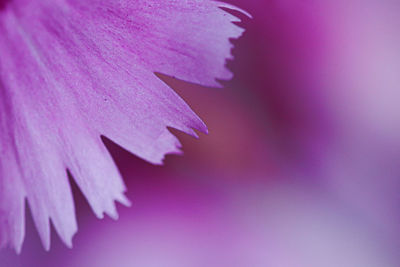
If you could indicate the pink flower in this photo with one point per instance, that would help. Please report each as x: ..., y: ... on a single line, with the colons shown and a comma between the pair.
x: 72, y: 71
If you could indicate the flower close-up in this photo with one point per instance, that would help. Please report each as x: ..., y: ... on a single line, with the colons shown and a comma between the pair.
x: 293, y: 106
x: 73, y: 73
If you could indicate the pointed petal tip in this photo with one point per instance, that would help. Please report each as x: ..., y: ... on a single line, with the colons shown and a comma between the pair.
x: 229, y: 6
x: 199, y: 126
x: 15, y: 244
x: 124, y: 200
x: 114, y: 216
x: 18, y: 250
x: 177, y: 151
x: 192, y: 133
x: 68, y: 240
x: 44, y: 234
x: 17, y: 247
x: 46, y: 245
x: 46, y: 241
x: 99, y: 215
x: 68, y: 243
x: 112, y: 213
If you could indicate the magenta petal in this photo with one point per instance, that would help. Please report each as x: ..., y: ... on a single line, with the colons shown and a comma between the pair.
x: 71, y: 71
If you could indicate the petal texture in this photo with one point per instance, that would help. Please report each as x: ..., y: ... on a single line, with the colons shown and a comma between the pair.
x: 72, y: 71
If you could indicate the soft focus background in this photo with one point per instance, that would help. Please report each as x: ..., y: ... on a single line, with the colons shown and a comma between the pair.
x: 301, y: 166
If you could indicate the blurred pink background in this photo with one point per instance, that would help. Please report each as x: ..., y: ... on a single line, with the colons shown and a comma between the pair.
x: 300, y: 168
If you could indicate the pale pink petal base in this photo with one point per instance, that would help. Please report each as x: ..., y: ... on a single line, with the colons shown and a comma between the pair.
x: 71, y: 71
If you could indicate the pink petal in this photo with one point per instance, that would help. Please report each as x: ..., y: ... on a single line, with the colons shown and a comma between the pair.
x: 71, y: 71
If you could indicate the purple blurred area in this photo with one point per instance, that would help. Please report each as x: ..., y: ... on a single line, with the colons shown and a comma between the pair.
x: 301, y: 165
